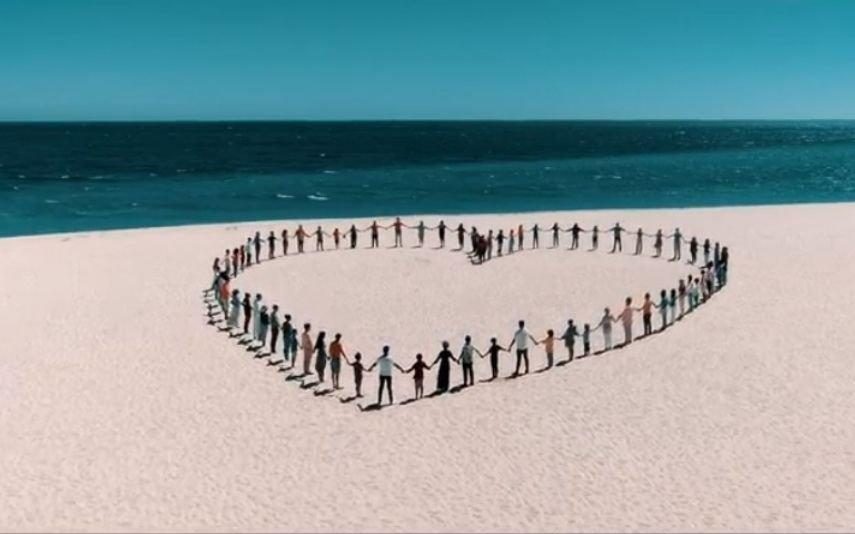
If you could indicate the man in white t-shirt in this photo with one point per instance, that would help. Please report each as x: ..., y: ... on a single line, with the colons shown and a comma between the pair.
x: 386, y: 364
x: 521, y: 339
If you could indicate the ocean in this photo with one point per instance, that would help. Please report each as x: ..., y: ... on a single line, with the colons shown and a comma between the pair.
x: 61, y: 177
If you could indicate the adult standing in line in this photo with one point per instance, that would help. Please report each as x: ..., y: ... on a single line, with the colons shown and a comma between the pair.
x: 301, y: 238
x: 500, y: 240
x: 555, y: 231
x: 595, y: 237
x: 247, y: 311
x: 494, y: 351
x: 617, y: 246
x: 375, y: 234
x: 225, y: 293
x: 639, y: 241
x: 706, y: 251
x: 535, y: 236
x: 490, y: 245
x: 308, y: 348
x: 336, y: 354
x: 321, y: 359
x: 574, y: 235
x: 626, y: 317
x: 569, y: 337
x: 242, y: 257
x: 336, y: 235
x: 657, y: 243
x: 723, y: 266
x: 288, y: 332
x: 606, y: 324
x: 357, y: 372
x: 461, y: 233
x: 263, y: 324
x: 227, y: 262
x: 285, y: 242
x: 271, y: 245
x: 521, y: 339
x: 385, y: 364
x: 319, y: 239
x: 398, y: 226
x: 678, y: 244
x: 235, y: 258
x: 693, y: 250
x: 520, y: 231
x: 275, y: 325
x: 421, y: 233
x: 235, y: 313
x: 466, y: 362
x: 352, y: 233
x: 441, y: 227
x: 511, y: 241
x: 256, y: 316
x: 647, y: 314
x: 256, y: 242
x: 443, y: 375
x: 549, y: 345
x: 249, y: 252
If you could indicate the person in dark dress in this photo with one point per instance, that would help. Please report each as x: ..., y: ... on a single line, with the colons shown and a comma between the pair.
x: 321, y: 359
x: 352, y: 232
x: 443, y: 375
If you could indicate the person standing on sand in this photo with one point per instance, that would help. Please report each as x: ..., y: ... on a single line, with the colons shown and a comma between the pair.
x: 247, y: 312
x: 489, y: 245
x: 301, y: 238
x: 336, y: 235
x: 535, y: 236
x: 706, y: 251
x: 639, y: 241
x: 500, y: 240
x: 663, y: 309
x: 256, y: 242
x: 681, y: 295
x: 235, y: 258
x: 225, y: 293
x: 606, y: 324
x: 275, y: 325
x: 235, y: 313
x: 321, y: 359
x: 520, y: 233
x: 285, y: 242
x: 647, y: 314
x: 555, y: 230
x: 249, y: 252
x: 672, y: 305
x: 398, y: 226
x: 308, y: 348
x: 227, y: 262
x: 421, y: 233
x: 657, y: 244
x: 693, y: 250
x: 494, y: 351
x: 263, y: 324
x: 725, y: 258
x: 319, y: 239
x: 617, y: 246
x: 467, y: 361
x: 357, y: 372
x: 626, y: 317
x: 574, y: 234
x: 678, y: 244
x: 385, y: 364
x: 352, y: 233
x: 256, y: 316
x: 443, y: 375
x: 375, y: 234
x: 521, y: 339
x: 242, y: 257
x: 549, y: 345
x: 586, y: 339
x: 288, y: 331
x: 595, y: 238
x: 461, y: 233
x: 418, y: 370
x: 511, y: 241
x: 569, y: 337
x: 336, y: 354
x: 441, y: 230
x: 271, y: 245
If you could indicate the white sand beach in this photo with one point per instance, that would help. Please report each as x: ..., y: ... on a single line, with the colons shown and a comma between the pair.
x: 122, y: 409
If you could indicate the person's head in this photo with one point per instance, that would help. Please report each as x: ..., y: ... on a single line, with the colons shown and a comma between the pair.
x: 319, y: 228
x: 647, y: 296
x: 606, y: 311
x: 673, y: 292
x: 521, y: 324
x: 628, y: 301
x: 258, y: 296
x: 285, y: 231
x: 550, y: 333
x: 662, y: 293
x: 287, y: 316
x: 338, y: 337
x: 307, y: 327
x: 493, y: 341
x: 321, y: 336
x: 445, y: 344
x: 569, y: 322
x: 385, y: 350
x: 235, y: 293
x: 419, y: 357
x: 275, y: 307
x: 264, y: 309
x: 397, y: 219
x: 467, y: 339
x: 587, y: 327
x: 357, y: 356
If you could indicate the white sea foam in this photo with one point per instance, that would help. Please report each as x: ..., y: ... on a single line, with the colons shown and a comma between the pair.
x: 282, y: 195
x: 317, y: 197
x: 330, y: 172
x: 51, y: 201
x: 64, y: 177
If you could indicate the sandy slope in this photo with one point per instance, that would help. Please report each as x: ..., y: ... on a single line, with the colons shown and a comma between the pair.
x: 120, y: 408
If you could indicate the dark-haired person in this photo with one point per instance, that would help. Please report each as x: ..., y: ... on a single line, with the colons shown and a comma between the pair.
x: 301, y: 238
x: 247, y: 312
x: 375, y: 234
x: 657, y: 243
x: 421, y: 233
x: 319, y: 239
x: 493, y: 350
x: 461, y: 233
x: 256, y: 242
x: 234, y: 316
x: 595, y: 237
x: 357, y: 372
x: 336, y: 354
x: 275, y: 325
x: 289, y: 339
x: 441, y: 227
x: 574, y: 236
x: 555, y: 231
x: 308, y: 348
x: 271, y: 245
x: 235, y: 262
x: 386, y: 365
x: 336, y: 235
x: 398, y: 226
x: 500, y: 240
x: 626, y: 317
x: 535, y: 236
x: 249, y: 252
x: 285, y: 242
x: 678, y: 244
x: 353, y: 233
x: 418, y: 370
x: 639, y: 241
x: 569, y: 338
x: 521, y: 339
x: 617, y: 230
x: 693, y: 250
x: 520, y: 233
x: 443, y: 375
x: 321, y: 360
x: 647, y: 314
x: 467, y: 360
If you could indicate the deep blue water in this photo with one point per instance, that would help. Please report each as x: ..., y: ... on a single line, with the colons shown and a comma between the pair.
x: 57, y: 177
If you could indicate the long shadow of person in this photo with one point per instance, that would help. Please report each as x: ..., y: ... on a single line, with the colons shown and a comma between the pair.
x: 370, y: 408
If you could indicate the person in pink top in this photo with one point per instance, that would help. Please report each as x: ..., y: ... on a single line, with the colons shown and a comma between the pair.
x: 626, y: 317
x: 549, y: 345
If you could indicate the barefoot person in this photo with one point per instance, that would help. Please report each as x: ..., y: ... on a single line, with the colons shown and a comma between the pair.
x: 418, y: 370
x: 569, y: 337
x: 678, y: 244
x: 263, y: 325
x: 639, y: 242
x: 256, y: 316
x: 494, y: 351
x: 275, y: 325
x: 461, y: 234
x: 301, y: 238
x: 555, y: 231
x: 647, y: 314
x: 336, y: 354
x: 308, y: 348
x: 616, y: 243
x: 626, y: 317
x: 398, y: 226
x: 385, y: 364
x: 443, y: 375
x: 289, y: 339
x: 352, y: 232
x: 235, y: 313
x: 321, y: 359
x: 521, y: 339
x: 420, y: 229
x: 357, y: 372
x: 467, y: 361
x: 285, y: 242
x: 271, y: 245
x: 606, y: 324
x: 247, y: 312
x: 441, y: 231
x: 549, y: 345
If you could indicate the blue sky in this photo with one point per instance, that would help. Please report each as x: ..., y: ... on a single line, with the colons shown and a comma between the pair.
x: 349, y: 59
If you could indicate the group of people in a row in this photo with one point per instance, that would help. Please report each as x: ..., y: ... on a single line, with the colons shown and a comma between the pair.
x: 482, y: 245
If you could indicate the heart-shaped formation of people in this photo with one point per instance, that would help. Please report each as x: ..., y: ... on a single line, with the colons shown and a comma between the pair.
x: 260, y: 329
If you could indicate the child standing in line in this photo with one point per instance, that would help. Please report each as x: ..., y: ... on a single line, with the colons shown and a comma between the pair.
x: 418, y: 370
x: 357, y: 372
x: 549, y: 345
x: 586, y: 339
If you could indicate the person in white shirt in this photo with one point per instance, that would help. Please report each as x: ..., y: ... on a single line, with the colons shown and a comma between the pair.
x: 521, y: 339
x: 256, y: 316
x: 385, y: 363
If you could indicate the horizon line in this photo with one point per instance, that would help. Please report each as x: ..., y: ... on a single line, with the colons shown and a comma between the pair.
x: 402, y: 120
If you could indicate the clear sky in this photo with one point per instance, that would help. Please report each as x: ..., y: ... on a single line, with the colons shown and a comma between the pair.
x: 399, y: 59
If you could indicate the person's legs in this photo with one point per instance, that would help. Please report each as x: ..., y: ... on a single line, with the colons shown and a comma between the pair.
x: 380, y: 391
x: 358, y: 384
x: 627, y: 333
x: 274, y: 336
x: 549, y: 360
x: 494, y: 366
x: 525, y: 355
x: 519, y: 361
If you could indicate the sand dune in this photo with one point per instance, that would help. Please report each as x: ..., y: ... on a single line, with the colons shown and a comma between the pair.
x: 123, y: 410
